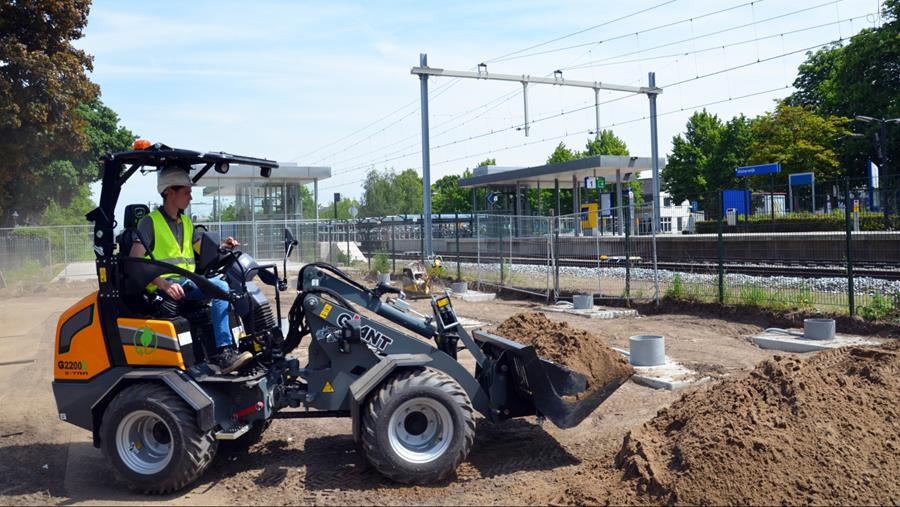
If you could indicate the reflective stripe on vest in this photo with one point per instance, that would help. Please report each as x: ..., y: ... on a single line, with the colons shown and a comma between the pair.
x: 166, y: 248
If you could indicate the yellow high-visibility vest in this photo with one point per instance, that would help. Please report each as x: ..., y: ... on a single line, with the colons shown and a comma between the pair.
x: 166, y: 248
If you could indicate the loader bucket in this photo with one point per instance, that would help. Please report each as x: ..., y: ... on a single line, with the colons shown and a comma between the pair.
x: 520, y: 383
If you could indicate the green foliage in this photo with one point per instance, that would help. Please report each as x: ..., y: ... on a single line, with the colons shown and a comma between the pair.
x: 381, y: 263
x: 326, y: 211
x: 43, y: 80
x: 753, y: 295
x: 800, y: 140
x: 606, y: 144
x: 802, y: 222
x: 859, y: 78
x: 676, y: 290
x: 72, y: 214
x: 685, y: 175
x: 390, y: 193
x: 562, y: 154
x: 878, y: 308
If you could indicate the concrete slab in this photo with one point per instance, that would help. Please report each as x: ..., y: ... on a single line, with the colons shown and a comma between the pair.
x: 787, y: 343
x: 473, y: 296
x: 671, y: 375
x: 597, y: 312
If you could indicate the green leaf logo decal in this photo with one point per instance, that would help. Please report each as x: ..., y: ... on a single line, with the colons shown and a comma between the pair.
x: 145, y: 341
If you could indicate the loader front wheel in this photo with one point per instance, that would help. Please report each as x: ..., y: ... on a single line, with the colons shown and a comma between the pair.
x: 418, y: 427
x: 151, y: 438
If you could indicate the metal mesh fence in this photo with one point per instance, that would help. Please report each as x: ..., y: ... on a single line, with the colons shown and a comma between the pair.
x: 848, y: 261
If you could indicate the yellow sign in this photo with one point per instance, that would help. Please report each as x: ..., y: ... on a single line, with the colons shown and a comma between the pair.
x: 102, y: 272
x: 856, y: 205
x: 327, y: 388
x: 589, y: 215
x: 325, y: 311
x: 443, y: 302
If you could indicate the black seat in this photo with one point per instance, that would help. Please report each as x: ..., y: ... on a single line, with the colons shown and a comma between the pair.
x: 133, y: 214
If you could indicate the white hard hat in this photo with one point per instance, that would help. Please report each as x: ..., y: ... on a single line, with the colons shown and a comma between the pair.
x: 172, y: 177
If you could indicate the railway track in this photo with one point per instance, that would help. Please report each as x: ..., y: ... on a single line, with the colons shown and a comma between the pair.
x: 748, y: 267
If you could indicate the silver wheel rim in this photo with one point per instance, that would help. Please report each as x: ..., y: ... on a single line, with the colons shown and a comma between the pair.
x: 420, y: 430
x: 144, y: 442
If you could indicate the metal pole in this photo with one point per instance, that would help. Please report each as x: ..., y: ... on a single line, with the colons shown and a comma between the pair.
x: 654, y: 151
x: 720, y: 248
x: 458, y: 262
x: 628, y: 256
x: 525, y: 97
x: 597, y: 113
x: 851, y: 301
x: 426, y: 159
x: 558, y: 202
x: 620, y: 217
x: 347, y: 234
x: 555, y: 218
x: 576, y: 210
x: 66, y: 251
x: 393, y: 250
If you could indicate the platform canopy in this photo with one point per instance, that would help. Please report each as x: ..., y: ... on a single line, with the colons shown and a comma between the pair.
x: 238, y: 175
x: 544, y: 175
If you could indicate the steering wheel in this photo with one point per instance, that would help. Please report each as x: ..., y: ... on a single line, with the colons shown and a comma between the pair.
x: 223, y: 260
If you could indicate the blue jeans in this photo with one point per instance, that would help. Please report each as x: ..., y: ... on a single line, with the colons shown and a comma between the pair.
x: 219, y: 312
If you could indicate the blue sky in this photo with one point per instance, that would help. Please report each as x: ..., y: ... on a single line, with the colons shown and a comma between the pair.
x: 328, y: 83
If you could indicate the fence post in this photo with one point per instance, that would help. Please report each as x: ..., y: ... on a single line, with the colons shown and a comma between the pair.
x: 50, y: 248
x: 851, y: 296
x: 66, y: 251
x: 331, y: 243
x: 628, y: 255
x: 500, y: 247
x: 477, y: 235
x: 458, y: 263
x: 393, y: 249
x: 347, y: 237
x: 720, y: 247
x: 554, y: 222
x: 368, y: 250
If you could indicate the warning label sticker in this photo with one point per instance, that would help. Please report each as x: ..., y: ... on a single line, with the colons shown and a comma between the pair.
x: 325, y: 311
x: 327, y: 387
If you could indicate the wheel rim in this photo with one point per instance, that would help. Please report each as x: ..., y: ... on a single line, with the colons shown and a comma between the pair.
x: 420, y: 430
x: 144, y: 442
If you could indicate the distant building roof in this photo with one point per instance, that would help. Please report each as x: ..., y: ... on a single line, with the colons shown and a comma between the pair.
x: 601, y: 165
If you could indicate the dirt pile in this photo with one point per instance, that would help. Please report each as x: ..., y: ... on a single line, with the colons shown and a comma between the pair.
x: 818, y: 431
x: 559, y: 342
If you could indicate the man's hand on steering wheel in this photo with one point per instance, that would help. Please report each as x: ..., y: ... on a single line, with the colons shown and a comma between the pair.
x: 172, y: 289
x: 230, y: 242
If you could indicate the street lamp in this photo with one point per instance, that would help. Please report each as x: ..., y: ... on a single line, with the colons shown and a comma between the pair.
x: 888, y: 193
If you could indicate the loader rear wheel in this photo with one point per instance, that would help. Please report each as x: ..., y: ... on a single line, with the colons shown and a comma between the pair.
x: 418, y: 427
x: 151, y: 438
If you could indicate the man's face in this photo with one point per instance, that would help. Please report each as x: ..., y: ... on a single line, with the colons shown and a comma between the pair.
x: 180, y: 196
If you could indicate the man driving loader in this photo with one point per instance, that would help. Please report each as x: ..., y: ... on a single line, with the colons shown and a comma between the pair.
x: 169, y: 234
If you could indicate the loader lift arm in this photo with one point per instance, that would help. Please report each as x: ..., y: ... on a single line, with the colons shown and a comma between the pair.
x: 510, y: 379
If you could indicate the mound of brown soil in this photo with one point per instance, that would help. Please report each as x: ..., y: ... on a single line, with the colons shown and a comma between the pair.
x: 819, y: 431
x: 559, y: 342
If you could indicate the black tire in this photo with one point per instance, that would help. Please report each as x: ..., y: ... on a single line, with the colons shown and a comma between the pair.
x: 187, y: 451
x: 419, y: 394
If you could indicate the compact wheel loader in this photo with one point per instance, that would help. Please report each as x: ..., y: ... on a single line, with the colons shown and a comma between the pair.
x: 132, y: 369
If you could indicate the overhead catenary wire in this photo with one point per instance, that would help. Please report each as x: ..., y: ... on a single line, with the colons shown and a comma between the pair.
x: 510, y: 96
x: 402, y: 155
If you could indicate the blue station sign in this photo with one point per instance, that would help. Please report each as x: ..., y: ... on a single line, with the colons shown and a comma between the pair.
x: 754, y: 170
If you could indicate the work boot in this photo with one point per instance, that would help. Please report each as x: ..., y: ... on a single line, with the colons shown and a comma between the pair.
x: 229, y: 359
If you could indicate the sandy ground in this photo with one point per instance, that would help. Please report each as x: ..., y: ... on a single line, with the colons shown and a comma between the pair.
x: 43, y: 460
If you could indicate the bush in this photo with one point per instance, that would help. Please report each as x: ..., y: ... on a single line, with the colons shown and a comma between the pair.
x: 676, y: 290
x: 800, y: 222
x: 879, y: 308
x: 381, y: 263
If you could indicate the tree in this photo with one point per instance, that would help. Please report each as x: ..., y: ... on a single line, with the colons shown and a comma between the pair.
x: 860, y: 78
x: 307, y: 203
x: 561, y: 154
x: 43, y: 80
x: 407, y: 189
x: 800, y: 140
x: 685, y: 175
x: 326, y: 211
x: 606, y: 144
x: 732, y: 151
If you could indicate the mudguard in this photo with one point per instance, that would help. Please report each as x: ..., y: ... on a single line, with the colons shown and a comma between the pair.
x: 373, y: 378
